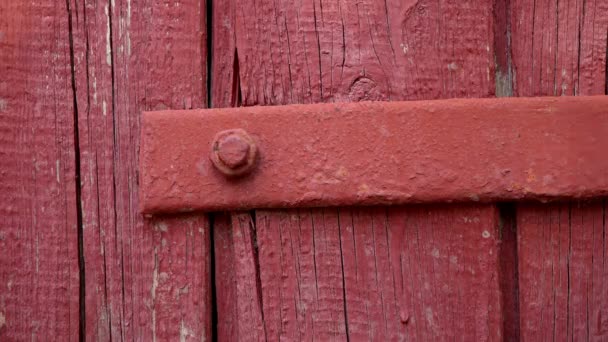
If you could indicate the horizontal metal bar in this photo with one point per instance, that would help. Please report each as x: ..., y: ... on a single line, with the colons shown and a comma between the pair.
x: 372, y: 153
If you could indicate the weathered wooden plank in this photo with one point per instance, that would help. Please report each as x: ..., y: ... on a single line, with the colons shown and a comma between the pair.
x: 560, y: 48
x: 562, y: 271
x: 397, y: 268
x: 410, y: 272
x: 329, y: 51
x: 301, y: 274
x: 145, y: 279
x: 237, y: 279
x: 283, y: 52
x: 39, y: 277
x: 238, y: 301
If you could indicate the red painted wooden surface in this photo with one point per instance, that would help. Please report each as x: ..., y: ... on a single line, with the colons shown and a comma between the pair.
x: 77, y: 74
x: 239, y: 305
x: 406, y: 273
x: 144, y: 279
x: 75, y: 77
x: 318, y: 276
x: 39, y: 277
x: 561, y: 48
x: 563, y: 277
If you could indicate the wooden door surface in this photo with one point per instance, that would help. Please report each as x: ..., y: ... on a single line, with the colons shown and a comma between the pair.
x: 79, y: 262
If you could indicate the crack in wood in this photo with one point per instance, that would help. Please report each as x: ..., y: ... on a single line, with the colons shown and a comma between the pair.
x: 77, y: 183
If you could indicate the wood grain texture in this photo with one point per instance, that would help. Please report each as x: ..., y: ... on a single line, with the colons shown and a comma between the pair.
x: 561, y: 48
x: 301, y: 275
x: 380, y: 274
x: 563, y: 292
x: 421, y: 273
x: 238, y: 303
x: 311, y: 285
x: 145, y: 279
x: 39, y: 278
x: 318, y: 51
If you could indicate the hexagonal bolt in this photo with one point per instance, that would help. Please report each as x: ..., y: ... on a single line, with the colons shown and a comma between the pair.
x: 233, y: 152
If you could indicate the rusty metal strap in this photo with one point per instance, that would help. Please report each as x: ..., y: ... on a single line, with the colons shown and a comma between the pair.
x: 374, y: 153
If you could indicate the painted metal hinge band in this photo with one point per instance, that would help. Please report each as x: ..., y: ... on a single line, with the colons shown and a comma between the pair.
x: 371, y: 153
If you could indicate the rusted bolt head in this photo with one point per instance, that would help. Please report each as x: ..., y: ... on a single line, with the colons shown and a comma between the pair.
x: 233, y: 152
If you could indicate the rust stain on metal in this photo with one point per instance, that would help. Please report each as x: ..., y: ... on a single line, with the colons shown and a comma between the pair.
x: 372, y: 153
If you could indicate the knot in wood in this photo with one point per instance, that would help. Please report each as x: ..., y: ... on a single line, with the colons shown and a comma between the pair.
x: 365, y: 89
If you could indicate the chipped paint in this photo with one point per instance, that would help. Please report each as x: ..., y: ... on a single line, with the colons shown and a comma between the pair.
x: 94, y: 90
x: 128, y: 35
x: 108, y: 38
x: 184, y: 332
x: 161, y: 226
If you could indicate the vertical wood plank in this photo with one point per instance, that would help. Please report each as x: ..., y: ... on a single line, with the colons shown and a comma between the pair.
x: 39, y: 277
x: 447, y: 258
x: 561, y: 48
x: 239, y: 305
x: 146, y: 279
x: 562, y: 271
x: 312, y: 286
x: 301, y: 274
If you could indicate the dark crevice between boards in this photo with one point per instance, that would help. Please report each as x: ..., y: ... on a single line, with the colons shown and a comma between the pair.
x: 114, y: 190
x: 507, y: 224
x: 207, y: 8
x: 509, y: 270
x: 343, y: 277
x: 77, y: 175
x: 252, y: 225
x: 568, y: 269
x: 314, y: 15
x: 604, y: 204
x: 214, y: 315
x: 577, y: 85
x: 237, y: 96
x: 502, y: 49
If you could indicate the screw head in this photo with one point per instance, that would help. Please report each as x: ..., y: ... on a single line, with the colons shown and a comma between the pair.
x: 233, y: 152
